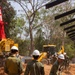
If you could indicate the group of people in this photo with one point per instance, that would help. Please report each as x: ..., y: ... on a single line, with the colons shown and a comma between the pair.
x: 13, y: 64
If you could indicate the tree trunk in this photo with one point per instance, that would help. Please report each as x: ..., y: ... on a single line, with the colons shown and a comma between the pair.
x: 31, y: 39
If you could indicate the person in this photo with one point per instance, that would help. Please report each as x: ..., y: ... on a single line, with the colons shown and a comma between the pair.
x: 18, y: 55
x: 56, y: 68
x: 48, y: 57
x: 66, y: 61
x: 34, y: 67
x: 13, y: 65
x: 54, y: 58
x: 48, y: 54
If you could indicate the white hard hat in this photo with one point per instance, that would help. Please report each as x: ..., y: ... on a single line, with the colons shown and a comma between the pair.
x: 14, y: 48
x: 61, y: 56
x: 36, y: 52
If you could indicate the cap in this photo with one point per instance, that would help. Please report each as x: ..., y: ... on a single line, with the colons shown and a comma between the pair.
x: 36, y: 52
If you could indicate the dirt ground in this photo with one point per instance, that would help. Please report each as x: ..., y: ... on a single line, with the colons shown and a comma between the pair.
x: 70, y: 71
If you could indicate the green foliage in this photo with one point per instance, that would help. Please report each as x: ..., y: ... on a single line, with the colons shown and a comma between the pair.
x: 39, y: 40
x: 8, y: 15
x: 18, y: 27
x: 70, y: 48
x: 23, y: 46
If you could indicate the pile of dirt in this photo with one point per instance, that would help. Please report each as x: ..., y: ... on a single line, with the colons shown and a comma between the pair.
x: 70, y: 71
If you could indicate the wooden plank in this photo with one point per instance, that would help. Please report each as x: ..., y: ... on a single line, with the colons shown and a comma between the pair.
x: 56, y: 2
x: 69, y: 27
x: 64, y: 14
x: 71, y: 34
x: 73, y: 30
x: 67, y: 22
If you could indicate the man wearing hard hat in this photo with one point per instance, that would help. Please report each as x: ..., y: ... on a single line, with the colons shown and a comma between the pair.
x: 34, y: 67
x: 13, y: 65
x: 56, y: 68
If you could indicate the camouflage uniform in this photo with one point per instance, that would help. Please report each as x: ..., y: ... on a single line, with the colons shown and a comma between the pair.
x: 34, y: 68
x: 66, y: 62
x: 54, y: 58
x: 56, y: 69
x: 13, y: 66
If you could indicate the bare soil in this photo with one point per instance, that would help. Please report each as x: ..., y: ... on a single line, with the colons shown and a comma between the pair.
x: 70, y: 71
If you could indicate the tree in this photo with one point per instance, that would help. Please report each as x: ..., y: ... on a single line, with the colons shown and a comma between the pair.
x: 8, y: 15
x: 69, y: 47
x: 23, y: 46
x: 52, y: 31
x: 39, y: 39
x: 18, y: 28
x: 30, y: 8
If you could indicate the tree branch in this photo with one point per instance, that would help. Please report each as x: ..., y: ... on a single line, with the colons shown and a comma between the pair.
x: 23, y: 9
